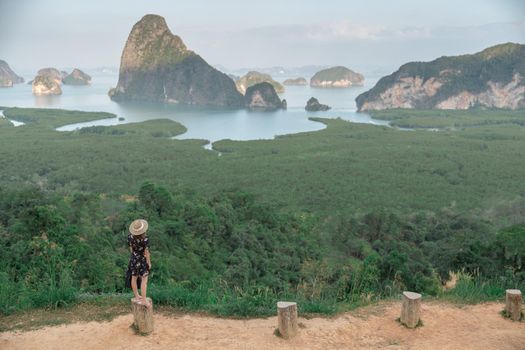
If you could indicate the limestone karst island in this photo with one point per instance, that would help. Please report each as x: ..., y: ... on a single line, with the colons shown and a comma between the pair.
x: 156, y: 66
x: 276, y: 175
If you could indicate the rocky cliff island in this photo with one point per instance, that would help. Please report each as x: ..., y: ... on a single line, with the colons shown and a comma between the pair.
x: 263, y: 96
x: 295, y: 82
x: 492, y: 78
x: 156, y: 66
x: 252, y: 78
x: 336, y: 77
x: 77, y: 77
x: 313, y: 105
x: 7, y: 77
x: 47, y: 82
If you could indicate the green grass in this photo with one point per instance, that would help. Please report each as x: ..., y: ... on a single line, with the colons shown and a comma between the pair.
x: 472, y: 289
x: 449, y: 119
x: 5, y: 123
x: 258, y: 302
x: 179, y: 299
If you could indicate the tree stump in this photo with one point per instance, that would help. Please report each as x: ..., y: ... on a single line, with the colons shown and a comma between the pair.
x: 513, y: 304
x: 411, y: 309
x: 142, y: 316
x: 287, y: 319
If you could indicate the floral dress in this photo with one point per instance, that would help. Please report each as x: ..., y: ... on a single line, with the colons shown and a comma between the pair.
x: 138, y: 265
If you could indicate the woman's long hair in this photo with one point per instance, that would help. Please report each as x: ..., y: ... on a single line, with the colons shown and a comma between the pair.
x: 141, y: 237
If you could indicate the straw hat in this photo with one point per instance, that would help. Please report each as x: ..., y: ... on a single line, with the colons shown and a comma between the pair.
x: 138, y: 227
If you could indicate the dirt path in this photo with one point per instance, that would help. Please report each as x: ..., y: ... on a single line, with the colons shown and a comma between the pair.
x: 479, y: 327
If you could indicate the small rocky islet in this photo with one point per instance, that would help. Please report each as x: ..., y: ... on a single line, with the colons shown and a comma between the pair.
x: 313, y: 105
x: 295, y: 82
x: 336, y: 77
x: 7, y: 77
x: 77, y: 77
x: 252, y: 78
x: 262, y: 96
x: 48, y: 81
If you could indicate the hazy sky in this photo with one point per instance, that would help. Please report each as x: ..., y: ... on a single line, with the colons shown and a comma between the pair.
x: 240, y: 33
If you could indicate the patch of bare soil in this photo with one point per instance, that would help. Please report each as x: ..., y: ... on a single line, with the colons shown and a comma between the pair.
x: 445, y: 326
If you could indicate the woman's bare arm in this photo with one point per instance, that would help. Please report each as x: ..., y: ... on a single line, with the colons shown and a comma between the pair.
x: 147, y: 255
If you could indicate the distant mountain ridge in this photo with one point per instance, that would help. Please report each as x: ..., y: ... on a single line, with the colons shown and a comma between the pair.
x: 492, y: 78
x: 276, y: 71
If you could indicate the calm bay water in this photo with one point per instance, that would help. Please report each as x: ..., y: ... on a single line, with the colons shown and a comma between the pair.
x: 206, y: 124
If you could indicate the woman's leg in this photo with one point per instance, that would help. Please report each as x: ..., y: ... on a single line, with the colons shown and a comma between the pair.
x: 134, y: 286
x: 144, y: 287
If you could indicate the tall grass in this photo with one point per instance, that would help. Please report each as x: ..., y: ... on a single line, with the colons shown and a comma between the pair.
x: 222, y: 300
x: 13, y: 296
x: 474, y: 288
x: 216, y: 298
x: 52, y: 292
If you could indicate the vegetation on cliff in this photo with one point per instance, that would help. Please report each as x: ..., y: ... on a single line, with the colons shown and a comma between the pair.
x: 336, y: 77
x: 7, y: 77
x: 313, y: 105
x: 46, y: 85
x: 296, y: 82
x: 263, y: 96
x: 77, y: 77
x: 500, y: 64
x: 252, y: 78
x: 156, y: 66
x: 48, y: 81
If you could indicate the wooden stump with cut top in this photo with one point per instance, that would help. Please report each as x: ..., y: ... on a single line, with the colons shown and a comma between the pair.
x: 513, y: 304
x: 287, y: 319
x: 142, y: 316
x: 411, y: 309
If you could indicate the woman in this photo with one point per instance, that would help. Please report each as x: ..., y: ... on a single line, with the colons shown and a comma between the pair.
x: 139, y: 261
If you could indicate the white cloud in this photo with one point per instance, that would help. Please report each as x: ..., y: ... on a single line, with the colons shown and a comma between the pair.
x: 349, y: 31
x: 346, y: 43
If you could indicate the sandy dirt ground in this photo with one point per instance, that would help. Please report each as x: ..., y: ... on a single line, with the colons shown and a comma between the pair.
x: 479, y: 327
